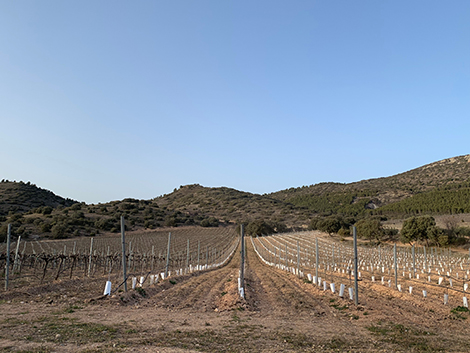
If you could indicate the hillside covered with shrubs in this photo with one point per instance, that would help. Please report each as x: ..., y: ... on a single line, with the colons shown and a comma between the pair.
x: 438, y: 188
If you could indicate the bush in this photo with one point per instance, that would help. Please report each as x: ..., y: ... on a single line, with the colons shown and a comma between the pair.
x: 370, y: 228
x: 59, y: 231
x: 314, y: 223
x: 149, y: 224
x: 76, y: 207
x: 127, y: 206
x: 462, y: 232
x: 47, y: 210
x: 330, y: 225
x: 170, y: 222
x: 106, y: 224
x: 421, y: 228
x: 45, y: 227
x: 210, y: 222
x: 259, y: 227
x: 343, y: 232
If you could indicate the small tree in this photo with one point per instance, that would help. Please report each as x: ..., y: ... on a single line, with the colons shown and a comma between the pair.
x: 59, y: 231
x: 370, y: 228
x: 259, y: 227
x: 210, y: 222
x: 421, y: 228
x: 330, y: 225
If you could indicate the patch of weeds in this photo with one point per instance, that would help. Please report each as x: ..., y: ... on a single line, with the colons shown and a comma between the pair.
x: 72, y: 308
x: 235, y: 318
x: 54, y: 330
x: 339, y: 307
x: 131, y: 331
x: 207, y: 324
x: 459, y: 309
x: 141, y: 291
x: 458, y: 313
x: 337, y: 343
x: 295, y: 340
x: 306, y: 280
x: 172, y: 282
x: 365, y: 313
x: 403, y: 336
x: 222, y: 294
x: 332, y: 300
x: 229, y: 280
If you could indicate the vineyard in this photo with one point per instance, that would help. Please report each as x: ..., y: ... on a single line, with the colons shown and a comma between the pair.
x: 151, y: 254
x: 299, y: 295
x: 434, y: 274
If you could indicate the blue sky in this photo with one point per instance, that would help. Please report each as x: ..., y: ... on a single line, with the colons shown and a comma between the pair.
x: 102, y: 100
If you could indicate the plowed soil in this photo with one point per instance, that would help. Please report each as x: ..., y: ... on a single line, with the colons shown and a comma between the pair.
x: 202, y: 312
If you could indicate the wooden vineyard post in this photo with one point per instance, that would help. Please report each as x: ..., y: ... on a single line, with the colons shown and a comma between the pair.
x: 90, y: 258
x: 380, y: 255
x: 425, y: 259
x: 187, y: 257
x: 316, y: 260
x: 123, y: 242
x: 198, y: 254
x: 153, y: 256
x: 168, y: 255
x: 15, y: 263
x: 7, y: 267
x: 298, y: 259
x: 333, y: 256
x: 356, y: 297
x: 395, y: 264
x: 287, y: 264
x: 242, y: 264
x: 414, y: 261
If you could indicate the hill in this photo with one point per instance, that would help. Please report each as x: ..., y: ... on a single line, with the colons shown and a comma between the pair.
x: 358, y: 197
x: 230, y: 205
x: 442, y: 187
x: 23, y: 197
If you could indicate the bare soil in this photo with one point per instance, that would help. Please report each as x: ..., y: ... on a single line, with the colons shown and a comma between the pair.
x: 202, y: 312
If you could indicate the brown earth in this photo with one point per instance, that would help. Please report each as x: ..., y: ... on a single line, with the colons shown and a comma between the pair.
x: 203, y: 312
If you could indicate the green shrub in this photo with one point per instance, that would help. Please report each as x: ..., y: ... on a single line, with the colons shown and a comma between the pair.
x: 343, y: 232
x: 59, y: 231
x: 45, y: 227
x: 210, y: 222
x: 370, y: 228
x: 106, y: 224
x: 47, y: 210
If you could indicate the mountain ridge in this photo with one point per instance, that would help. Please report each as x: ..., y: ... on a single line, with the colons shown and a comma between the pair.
x: 438, y: 187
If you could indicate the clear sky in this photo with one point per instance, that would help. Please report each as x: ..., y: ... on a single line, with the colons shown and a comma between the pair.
x: 102, y: 100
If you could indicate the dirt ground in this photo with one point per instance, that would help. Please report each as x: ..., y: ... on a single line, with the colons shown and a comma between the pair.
x: 202, y: 312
